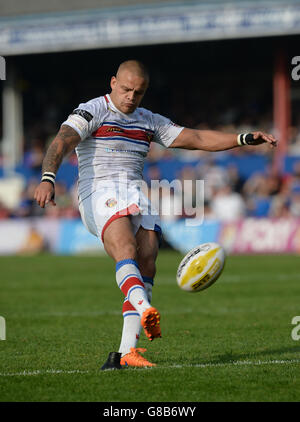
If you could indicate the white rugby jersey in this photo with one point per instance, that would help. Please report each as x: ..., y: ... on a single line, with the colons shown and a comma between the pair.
x: 113, y: 142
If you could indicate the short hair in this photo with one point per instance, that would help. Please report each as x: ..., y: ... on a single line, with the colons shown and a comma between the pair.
x: 136, y: 67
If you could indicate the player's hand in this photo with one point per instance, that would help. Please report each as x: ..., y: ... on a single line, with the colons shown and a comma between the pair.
x: 261, y: 138
x: 44, y: 194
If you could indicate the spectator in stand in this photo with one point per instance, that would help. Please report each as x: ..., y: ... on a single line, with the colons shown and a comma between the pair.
x: 227, y: 205
x: 33, y: 158
x: 280, y: 207
x: 257, y: 196
x: 153, y: 173
x: 27, y: 206
x: 4, y: 212
x: 295, y: 201
x: 295, y: 176
x: 214, y: 175
x: 235, y: 180
x: 65, y: 207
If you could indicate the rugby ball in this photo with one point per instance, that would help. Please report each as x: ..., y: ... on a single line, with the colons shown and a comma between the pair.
x: 201, y: 267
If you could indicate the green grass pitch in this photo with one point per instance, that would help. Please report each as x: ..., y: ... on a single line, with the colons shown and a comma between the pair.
x: 231, y: 342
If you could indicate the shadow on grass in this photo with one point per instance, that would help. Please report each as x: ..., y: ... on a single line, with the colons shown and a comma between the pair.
x: 230, y: 356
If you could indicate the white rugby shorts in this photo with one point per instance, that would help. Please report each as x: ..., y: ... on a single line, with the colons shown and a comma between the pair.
x: 115, y: 200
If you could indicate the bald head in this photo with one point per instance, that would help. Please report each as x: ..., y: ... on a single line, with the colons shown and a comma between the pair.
x: 135, y: 67
x: 129, y: 85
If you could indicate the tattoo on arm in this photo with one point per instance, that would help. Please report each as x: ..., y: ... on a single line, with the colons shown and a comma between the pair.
x: 64, y: 142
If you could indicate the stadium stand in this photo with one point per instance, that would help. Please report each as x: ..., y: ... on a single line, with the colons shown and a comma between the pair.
x: 203, y: 84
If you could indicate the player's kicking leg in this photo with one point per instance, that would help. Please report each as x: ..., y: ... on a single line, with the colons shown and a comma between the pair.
x: 121, y: 244
x: 147, y: 250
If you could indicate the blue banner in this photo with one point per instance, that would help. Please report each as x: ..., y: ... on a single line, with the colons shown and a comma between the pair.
x: 183, y: 238
x: 74, y: 238
x: 147, y: 24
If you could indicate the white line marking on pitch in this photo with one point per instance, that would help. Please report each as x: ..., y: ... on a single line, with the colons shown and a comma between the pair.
x: 239, y: 363
x: 43, y: 372
x: 200, y: 365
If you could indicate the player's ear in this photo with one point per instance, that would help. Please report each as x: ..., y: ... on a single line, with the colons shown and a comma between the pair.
x: 113, y: 82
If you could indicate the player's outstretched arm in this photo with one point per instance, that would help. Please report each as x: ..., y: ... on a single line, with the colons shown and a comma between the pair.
x: 64, y: 142
x: 212, y: 140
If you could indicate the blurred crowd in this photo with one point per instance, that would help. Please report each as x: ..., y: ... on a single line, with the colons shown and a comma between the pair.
x: 227, y: 194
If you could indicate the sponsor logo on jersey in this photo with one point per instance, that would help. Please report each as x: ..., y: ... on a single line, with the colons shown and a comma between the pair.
x: 83, y: 113
x: 114, y: 129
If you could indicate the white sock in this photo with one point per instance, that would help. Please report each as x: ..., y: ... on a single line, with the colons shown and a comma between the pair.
x: 131, y: 328
x: 132, y: 323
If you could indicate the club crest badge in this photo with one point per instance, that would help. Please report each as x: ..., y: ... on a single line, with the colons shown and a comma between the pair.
x: 111, y: 202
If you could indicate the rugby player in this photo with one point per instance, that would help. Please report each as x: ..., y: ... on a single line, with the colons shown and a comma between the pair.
x: 111, y: 135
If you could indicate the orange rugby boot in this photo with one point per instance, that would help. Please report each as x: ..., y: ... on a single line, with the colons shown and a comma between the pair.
x: 135, y: 359
x: 150, y: 321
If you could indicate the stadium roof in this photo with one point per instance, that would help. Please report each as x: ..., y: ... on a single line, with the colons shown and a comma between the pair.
x: 33, y: 26
x: 17, y: 7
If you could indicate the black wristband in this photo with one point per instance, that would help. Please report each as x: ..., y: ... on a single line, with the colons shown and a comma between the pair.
x: 245, y: 139
x: 48, y: 177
